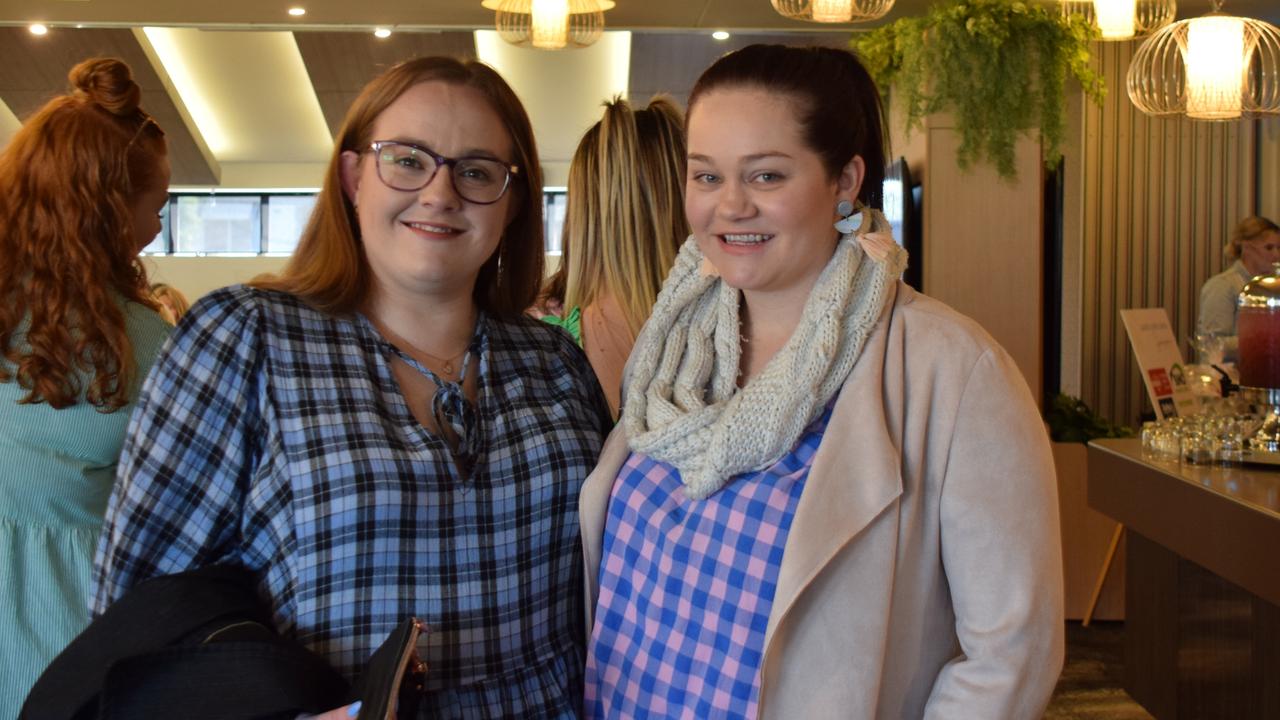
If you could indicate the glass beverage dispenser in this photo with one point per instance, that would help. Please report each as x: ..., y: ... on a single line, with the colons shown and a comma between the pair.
x: 1258, y: 332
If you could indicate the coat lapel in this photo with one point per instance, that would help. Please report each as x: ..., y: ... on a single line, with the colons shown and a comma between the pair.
x: 855, y: 475
x: 593, y: 508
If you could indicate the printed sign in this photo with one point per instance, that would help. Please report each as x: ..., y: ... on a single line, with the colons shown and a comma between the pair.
x: 1158, y: 356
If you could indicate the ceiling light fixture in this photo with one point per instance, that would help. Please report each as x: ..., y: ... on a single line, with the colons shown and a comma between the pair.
x: 297, y: 11
x: 1123, y: 19
x: 720, y: 35
x: 382, y: 33
x: 38, y: 29
x: 1214, y: 67
x: 549, y: 24
x: 833, y: 11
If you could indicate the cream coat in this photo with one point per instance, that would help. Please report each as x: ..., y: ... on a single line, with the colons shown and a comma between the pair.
x: 923, y: 572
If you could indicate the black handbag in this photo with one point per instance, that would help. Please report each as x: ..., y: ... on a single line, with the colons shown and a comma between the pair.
x: 200, y: 645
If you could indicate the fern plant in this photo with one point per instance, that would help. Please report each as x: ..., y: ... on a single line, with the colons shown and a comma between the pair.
x: 998, y: 66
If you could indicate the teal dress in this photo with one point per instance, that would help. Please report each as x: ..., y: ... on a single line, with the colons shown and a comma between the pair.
x: 56, y: 471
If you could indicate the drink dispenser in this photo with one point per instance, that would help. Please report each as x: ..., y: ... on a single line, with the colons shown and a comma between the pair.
x: 1258, y: 332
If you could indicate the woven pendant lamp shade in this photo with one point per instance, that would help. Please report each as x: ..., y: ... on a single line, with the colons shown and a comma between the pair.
x: 833, y: 11
x: 1123, y: 19
x: 549, y: 24
x: 1214, y: 67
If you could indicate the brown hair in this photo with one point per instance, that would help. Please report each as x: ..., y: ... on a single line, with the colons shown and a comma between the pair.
x: 70, y: 175
x: 624, y: 222
x: 1249, y: 229
x: 837, y: 102
x: 329, y: 270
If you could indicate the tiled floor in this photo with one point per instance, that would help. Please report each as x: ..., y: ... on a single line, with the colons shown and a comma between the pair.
x: 1090, y: 686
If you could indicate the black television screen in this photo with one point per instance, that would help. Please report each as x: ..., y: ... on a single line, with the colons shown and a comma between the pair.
x: 902, y: 210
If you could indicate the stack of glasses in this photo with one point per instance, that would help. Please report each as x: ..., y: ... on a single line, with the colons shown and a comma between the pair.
x: 1200, y: 439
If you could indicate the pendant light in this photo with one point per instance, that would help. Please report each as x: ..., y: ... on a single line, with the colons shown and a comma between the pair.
x: 549, y: 24
x: 1214, y: 67
x: 833, y: 11
x: 1123, y: 19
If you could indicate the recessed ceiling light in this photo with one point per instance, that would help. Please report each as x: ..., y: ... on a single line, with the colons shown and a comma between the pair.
x: 297, y: 11
x: 720, y: 35
x: 382, y: 33
x: 38, y: 29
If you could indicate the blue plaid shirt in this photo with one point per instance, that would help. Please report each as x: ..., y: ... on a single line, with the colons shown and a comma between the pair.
x: 274, y: 436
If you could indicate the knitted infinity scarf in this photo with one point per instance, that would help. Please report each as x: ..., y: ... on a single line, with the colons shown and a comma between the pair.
x: 683, y: 405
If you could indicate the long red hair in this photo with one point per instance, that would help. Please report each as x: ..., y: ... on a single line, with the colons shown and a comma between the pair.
x: 70, y: 176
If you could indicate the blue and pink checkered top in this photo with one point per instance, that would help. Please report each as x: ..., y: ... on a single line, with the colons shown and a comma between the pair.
x: 686, y: 587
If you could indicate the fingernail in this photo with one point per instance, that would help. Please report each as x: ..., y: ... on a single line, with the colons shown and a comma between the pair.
x: 354, y: 708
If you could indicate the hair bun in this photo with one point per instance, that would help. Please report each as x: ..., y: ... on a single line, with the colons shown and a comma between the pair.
x: 107, y: 82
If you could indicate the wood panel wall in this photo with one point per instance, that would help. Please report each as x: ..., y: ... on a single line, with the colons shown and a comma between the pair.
x: 1159, y: 198
x: 983, y: 247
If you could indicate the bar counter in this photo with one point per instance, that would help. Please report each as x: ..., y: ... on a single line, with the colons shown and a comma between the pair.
x: 1202, y: 579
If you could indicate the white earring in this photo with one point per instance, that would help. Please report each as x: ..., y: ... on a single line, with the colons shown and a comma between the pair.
x: 849, y: 220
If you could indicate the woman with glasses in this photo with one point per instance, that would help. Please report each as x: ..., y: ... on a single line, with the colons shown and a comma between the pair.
x: 380, y: 432
x: 83, y: 182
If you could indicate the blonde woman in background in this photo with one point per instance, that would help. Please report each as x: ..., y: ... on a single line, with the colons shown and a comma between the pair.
x: 1254, y: 246
x: 623, y: 226
x: 173, y: 304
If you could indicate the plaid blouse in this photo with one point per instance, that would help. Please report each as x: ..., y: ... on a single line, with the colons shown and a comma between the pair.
x: 686, y: 587
x: 274, y: 436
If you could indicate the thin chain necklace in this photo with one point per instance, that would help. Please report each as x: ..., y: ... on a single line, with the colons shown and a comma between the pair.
x: 447, y: 367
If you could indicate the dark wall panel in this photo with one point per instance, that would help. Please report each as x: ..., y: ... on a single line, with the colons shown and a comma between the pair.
x: 341, y: 63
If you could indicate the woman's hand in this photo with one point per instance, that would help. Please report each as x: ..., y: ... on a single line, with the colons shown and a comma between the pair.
x: 342, y: 713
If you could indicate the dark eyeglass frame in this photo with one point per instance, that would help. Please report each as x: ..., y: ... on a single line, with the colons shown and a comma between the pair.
x: 442, y: 161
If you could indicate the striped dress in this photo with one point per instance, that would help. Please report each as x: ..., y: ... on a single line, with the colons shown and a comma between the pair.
x: 56, y: 471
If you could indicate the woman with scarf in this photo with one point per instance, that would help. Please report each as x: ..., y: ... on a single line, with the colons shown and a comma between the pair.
x: 829, y: 495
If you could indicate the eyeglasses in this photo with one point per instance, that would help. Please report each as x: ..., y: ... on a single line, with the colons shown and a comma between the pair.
x: 409, y: 168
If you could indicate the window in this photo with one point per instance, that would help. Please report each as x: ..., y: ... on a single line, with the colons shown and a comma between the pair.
x: 248, y: 223
x: 287, y: 217
x: 554, y: 204
x: 217, y: 224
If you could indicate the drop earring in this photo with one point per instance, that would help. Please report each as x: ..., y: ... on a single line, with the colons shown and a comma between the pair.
x: 849, y: 220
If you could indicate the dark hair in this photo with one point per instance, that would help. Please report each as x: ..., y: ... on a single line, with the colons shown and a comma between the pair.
x: 838, y: 105
x: 329, y: 270
x: 70, y: 176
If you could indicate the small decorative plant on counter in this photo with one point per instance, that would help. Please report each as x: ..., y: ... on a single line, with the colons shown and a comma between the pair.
x: 1071, y: 420
x: 998, y: 66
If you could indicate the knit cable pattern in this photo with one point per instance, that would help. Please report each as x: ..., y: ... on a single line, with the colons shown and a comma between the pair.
x: 682, y: 404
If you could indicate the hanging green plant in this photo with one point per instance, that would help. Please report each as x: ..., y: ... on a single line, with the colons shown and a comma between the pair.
x: 998, y: 66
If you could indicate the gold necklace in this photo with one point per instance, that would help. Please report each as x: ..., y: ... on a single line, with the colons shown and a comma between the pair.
x: 446, y: 365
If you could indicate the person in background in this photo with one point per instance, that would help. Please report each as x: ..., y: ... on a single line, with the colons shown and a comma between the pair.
x: 622, y: 228
x: 380, y: 432
x: 84, y: 179
x: 173, y: 304
x: 1254, y: 246
x: 828, y: 495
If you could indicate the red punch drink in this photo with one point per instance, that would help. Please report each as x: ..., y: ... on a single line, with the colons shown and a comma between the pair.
x: 1259, y: 332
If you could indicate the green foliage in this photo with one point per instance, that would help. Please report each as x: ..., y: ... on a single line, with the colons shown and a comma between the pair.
x: 997, y: 65
x: 1070, y: 420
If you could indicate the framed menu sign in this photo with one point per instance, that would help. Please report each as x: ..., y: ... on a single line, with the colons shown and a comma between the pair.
x: 1160, y: 362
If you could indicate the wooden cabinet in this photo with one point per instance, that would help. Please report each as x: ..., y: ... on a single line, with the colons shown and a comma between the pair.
x: 1086, y: 536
